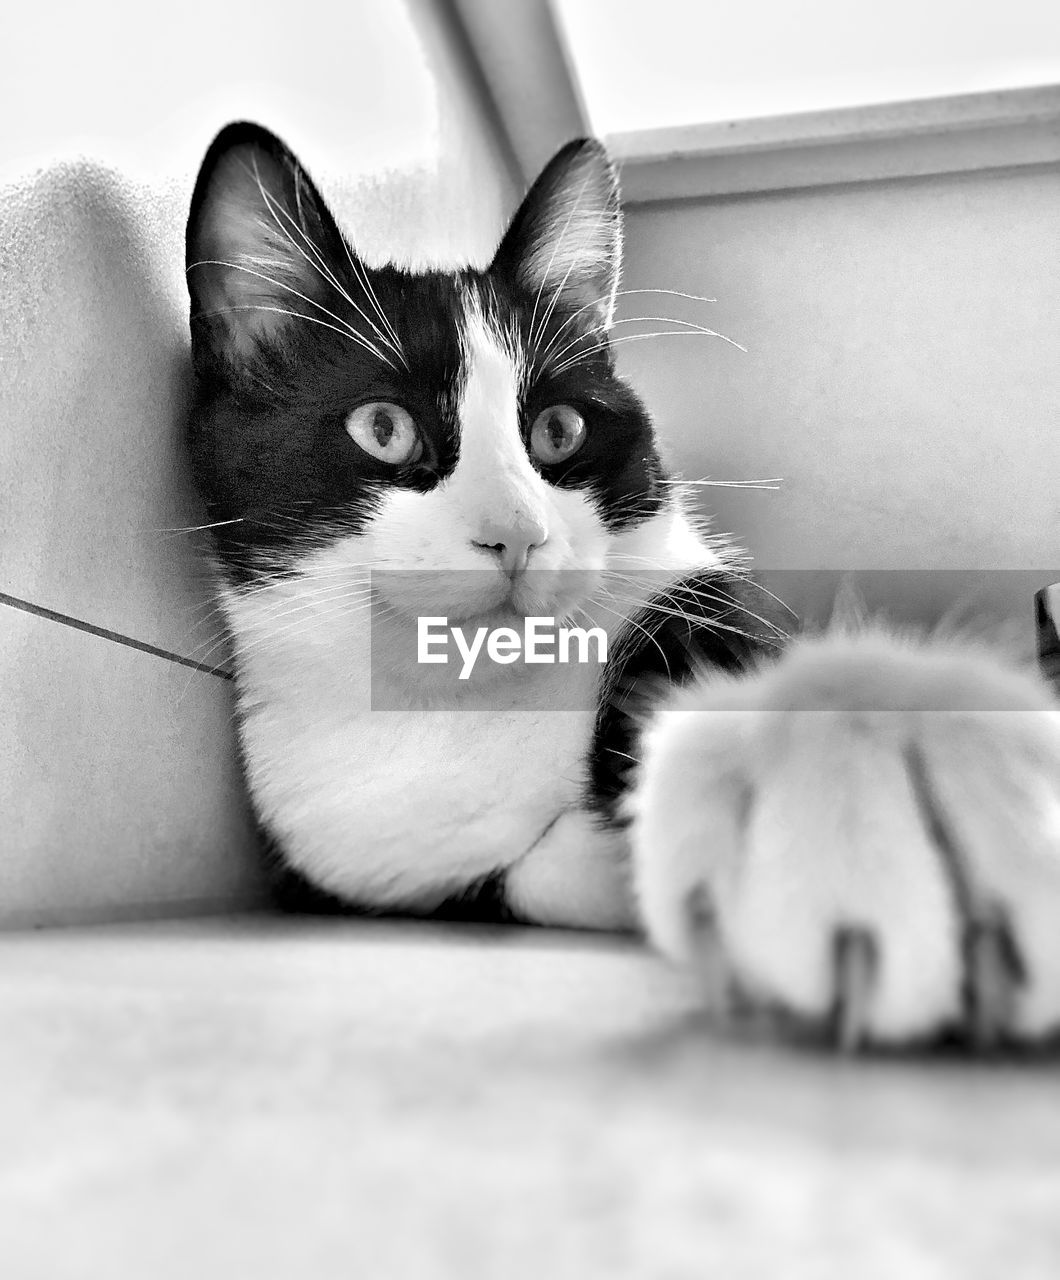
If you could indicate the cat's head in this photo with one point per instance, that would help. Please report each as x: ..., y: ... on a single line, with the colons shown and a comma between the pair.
x: 424, y: 422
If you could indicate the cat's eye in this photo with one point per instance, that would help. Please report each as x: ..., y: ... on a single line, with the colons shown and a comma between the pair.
x: 558, y: 432
x: 385, y: 431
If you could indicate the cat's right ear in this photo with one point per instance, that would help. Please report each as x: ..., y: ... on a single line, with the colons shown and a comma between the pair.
x: 566, y: 237
x: 259, y: 241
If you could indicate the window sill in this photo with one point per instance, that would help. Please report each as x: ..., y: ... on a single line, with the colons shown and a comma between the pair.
x: 1008, y: 129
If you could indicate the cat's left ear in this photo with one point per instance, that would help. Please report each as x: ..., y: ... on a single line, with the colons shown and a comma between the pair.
x: 259, y: 242
x: 566, y: 236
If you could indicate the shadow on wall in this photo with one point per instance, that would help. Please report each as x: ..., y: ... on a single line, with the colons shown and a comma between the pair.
x: 95, y: 383
x: 120, y: 779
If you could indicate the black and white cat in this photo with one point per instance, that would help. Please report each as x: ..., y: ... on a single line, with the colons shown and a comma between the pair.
x: 862, y: 831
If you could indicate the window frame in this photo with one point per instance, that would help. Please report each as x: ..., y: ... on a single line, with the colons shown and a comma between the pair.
x: 529, y: 76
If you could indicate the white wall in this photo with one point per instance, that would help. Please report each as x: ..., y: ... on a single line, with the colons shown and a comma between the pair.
x: 901, y: 372
x: 360, y: 90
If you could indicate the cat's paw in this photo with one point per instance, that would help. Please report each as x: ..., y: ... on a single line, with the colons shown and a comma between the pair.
x: 868, y: 835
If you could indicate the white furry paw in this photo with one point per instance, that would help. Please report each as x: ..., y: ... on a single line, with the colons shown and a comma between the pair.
x: 869, y: 834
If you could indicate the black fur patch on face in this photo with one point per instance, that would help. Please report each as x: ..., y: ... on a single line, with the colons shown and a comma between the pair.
x: 619, y: 462
x: 723, y: 622
x: 278, y: 299
x: 267, y: 432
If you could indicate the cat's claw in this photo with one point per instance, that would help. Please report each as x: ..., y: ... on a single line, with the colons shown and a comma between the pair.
x: 993, y: 967
x: 993, y: 975
x: 855, y: 962
x: 882, y: 866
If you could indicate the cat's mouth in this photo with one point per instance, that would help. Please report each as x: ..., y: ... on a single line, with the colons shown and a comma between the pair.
x: 537, y: 594
x: 510, y: 610
x: 474, y: 598
x: 504, y: 615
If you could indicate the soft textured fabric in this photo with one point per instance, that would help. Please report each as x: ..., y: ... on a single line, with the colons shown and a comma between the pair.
x: 118, y: 777
x: 369, y: 1099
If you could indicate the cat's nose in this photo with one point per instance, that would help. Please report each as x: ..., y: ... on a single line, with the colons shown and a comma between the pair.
x: 511, y: 542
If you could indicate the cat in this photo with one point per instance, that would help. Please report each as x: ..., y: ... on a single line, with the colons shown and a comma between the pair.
x: 858, y: 829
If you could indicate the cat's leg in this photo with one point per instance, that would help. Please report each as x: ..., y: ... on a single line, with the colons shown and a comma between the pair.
x: 575, y: 876
x: 868, y: 834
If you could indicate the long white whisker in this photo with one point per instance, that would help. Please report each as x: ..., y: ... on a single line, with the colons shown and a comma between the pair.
x: 361, y: 272
x: 701, y: 592
x: 627, y: 620
x: 309, y: 602
x: 558, y: 291
x: 552, y: 259
x: 674, y: 610
x: 321, y: 266
x: 764, y: 590
x: 306, y: 617
x: 711, y: 591
x: 744, y: 578
x: 196, y: 528
x: 595, y: 303
x: 673, y: 293
x: 709, y: 624
x: 773, y: 482
x: 272, y: 205
x: 571, y: 361
x: 300, y: 315
x: 690, y: 325
x: 543, y: 358
x: 279, y: 284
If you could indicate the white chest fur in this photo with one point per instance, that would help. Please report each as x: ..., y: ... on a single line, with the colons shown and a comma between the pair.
x: 389, y: 803
x: 381, y: 795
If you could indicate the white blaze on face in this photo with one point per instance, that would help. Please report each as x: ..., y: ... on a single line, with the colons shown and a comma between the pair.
x: 494, y: 478
x: 494, y: 495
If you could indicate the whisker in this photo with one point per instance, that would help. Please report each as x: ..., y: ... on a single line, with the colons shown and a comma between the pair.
x: 284, y: 605
x: 558, y: 291
x: 709, y: 624
x: 703, y: 596
x: 764, y: 590
x: 300, y: 315
x: 673, y: 293
x: 252, y: 638
x: 552, y: 259
x: 774, y: 482
x: 346, y: 330
x: 620, y: 293
x: 280, y: 284
x: 742, y: 575
x: 571, y: 361
x: 715, y: 593
x: 690, y: 325
x: 361, y: 273
x: 626, y: 619
x: 321, y: 266
x: 542, y: 357
x: 196, y: 528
